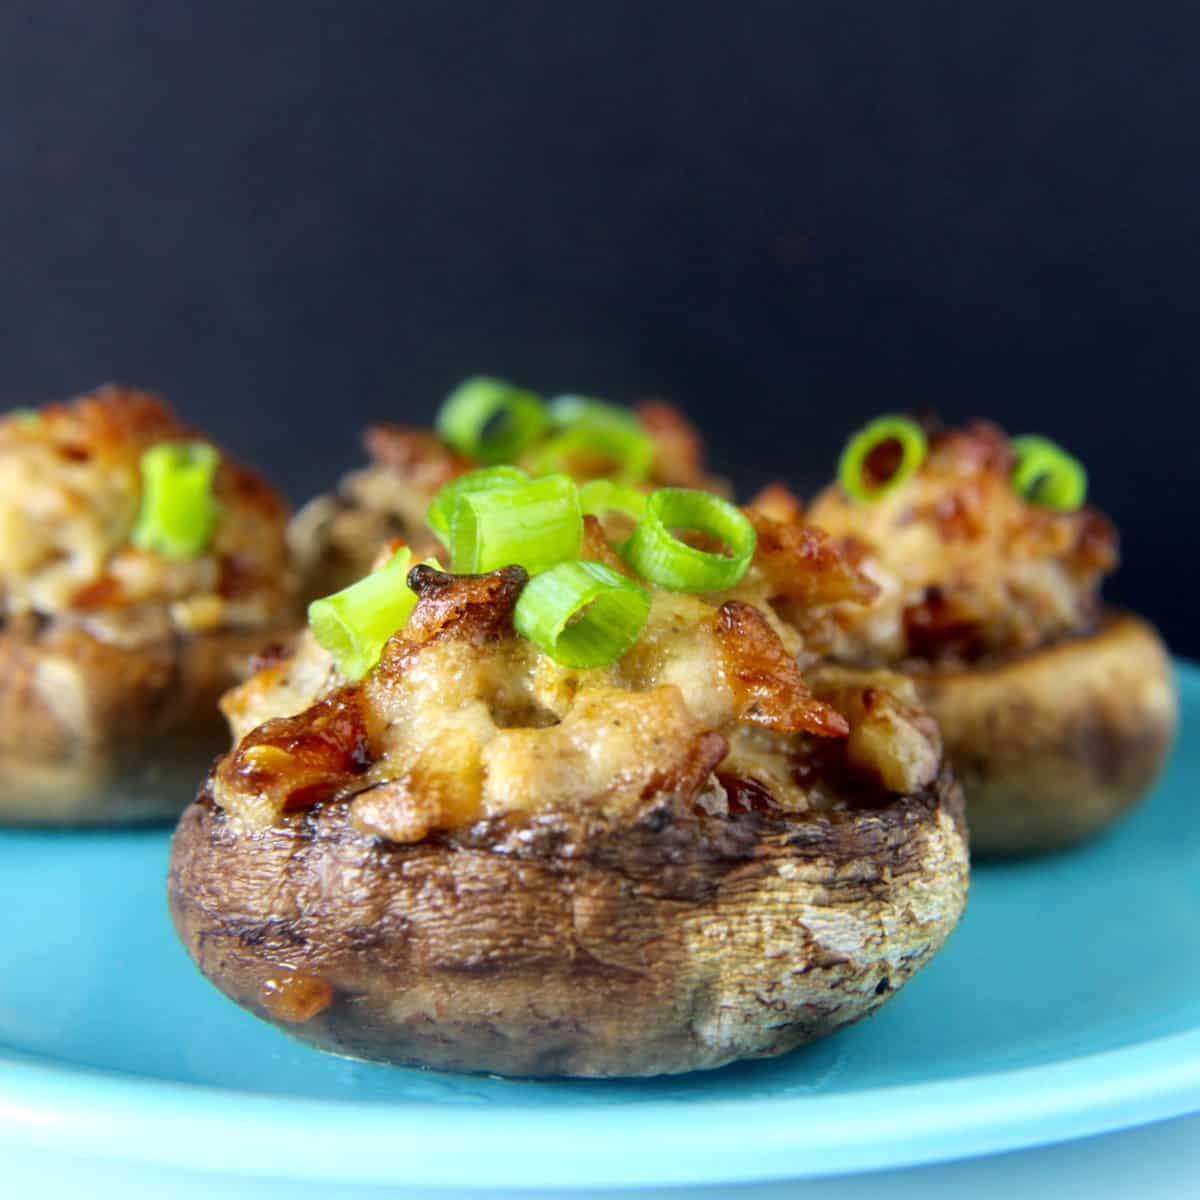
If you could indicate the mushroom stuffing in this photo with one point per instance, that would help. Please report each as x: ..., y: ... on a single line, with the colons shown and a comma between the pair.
x: 1057, y: 712
x: 582, y: 804
x: 140, y: 568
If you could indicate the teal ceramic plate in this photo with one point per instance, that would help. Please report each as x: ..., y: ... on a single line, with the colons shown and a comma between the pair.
x: 1068, y: 1003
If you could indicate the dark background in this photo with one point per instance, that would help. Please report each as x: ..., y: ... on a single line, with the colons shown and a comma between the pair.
x: 293, y: 218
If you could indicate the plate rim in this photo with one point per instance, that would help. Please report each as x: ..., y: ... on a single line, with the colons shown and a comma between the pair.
x: 48, y: 1104
x: 199, y: 1127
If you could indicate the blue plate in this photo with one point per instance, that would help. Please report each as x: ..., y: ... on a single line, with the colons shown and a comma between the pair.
x: 1067, y: 1003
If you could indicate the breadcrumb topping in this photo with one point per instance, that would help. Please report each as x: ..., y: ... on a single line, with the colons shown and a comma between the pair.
x: 462, y: 719
x: 70, y: 492
x: 964, y: 566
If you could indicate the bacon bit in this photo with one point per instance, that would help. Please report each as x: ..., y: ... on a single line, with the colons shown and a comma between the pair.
x: 679, y: 449
x: 291, y: 763
x: 804, y: 564
x: 597, y: 548
x: 268, y: 656
x: 409, y: 450
x: 296, y: 997
x: 473, y: 608
x: 938, y: 626
x: 766, y: 682
x: 1097, y: 546
x: 854, y: 549
x: 981, y: 446
x: 745, y: 794
x: 780, y: 503
x: 101, y: 594
x: 959, y: 514
x: 688, y: 775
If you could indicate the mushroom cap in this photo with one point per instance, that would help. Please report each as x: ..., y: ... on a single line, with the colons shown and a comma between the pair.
x: 571, y: 943
x: 1053, y: 745
x: 93, y: 733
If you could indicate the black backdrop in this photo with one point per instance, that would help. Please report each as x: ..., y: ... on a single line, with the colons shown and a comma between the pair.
x: 294, y: 217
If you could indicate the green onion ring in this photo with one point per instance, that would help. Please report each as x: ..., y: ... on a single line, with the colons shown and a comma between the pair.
x: 355, y: 623
x: 490, y: 420
x: 565, y: 411
x: 599, y: 431
x: 582, y: 614
x: 600, y: 496
x: 659, y: 556
x: 178, y: 510
x: 891, y: 428
x: 535, y: 524
x: 487, y: 479
x: 1047, y: 475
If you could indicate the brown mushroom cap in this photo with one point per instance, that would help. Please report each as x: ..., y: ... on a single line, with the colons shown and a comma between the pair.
x: 113, y: 657
x: 477, y: 858
x: 569, y: 943
x: 1053, y: 745
x: 93, y: 733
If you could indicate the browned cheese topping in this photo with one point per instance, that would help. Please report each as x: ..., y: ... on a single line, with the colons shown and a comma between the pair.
x: 333, y: 536
x: 462, y: 719
x: 965, y: 567
x: 70, y: 492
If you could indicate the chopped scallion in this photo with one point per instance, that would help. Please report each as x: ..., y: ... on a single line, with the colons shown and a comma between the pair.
x: 582, y: 614
x: 855, y: 474
x: 27, y: 418
x: 355, y: 623
x: 486, y: 479
x: 1046, y: 474
x: 536, y: 524
x: 490, y: 420
x: 179, y: 511
x: 657, y: 554
x: 600, y: 496
x: 595, y: 438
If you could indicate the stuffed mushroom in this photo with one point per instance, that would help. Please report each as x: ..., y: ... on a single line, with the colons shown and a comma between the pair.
x: 1057, y: 712
x: 484, y: 422
x: 578, y: 823
x: 140, y: 568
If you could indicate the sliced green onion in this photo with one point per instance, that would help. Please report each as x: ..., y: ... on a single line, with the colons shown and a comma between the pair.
x: 600, y: 496
x: 486, y: 479
x: 582, y: 614
x: 1046, y: 474
x: 658, y: 555
x: 490, y: 420
x: 913, y: 448
x: 27, y: 418
x: 596, y: 438
x: 535, y: 524
x: 179, y: 510
x: 355, y: 623
x: 570, y: 410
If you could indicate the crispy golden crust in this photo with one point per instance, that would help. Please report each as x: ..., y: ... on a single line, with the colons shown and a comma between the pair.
x: 335, y: 536
x: 70, y: 489
x: 571, y: 943
x: 112, y: 658
x: 460, y: 716
x: 1054, y: 745
x: 766, y: 682
x: 1054, y: 722
x: 965, y: 567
